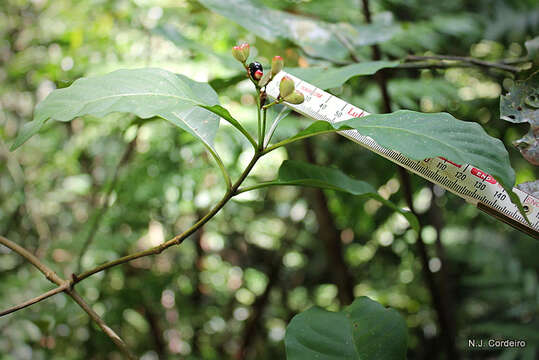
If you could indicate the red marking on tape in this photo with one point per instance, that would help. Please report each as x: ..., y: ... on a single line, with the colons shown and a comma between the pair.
x: 483, y: 176
x: 309, y: 91
x: 449, y: 161
x: 305, y: 88
x: 355, y: 112
x: 531, y: 201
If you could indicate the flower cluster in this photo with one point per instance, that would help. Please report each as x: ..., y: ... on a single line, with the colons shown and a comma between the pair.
x: 255, y: 72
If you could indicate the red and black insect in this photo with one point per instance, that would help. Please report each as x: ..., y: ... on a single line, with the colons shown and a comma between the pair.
x: 255, y: 70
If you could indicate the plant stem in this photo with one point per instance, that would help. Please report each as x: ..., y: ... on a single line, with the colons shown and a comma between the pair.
x: 464, y: 60
x: 264, y: 111
x: 37, y: 299
x: 259, y: 127
x: 274, y: 102
x: 31, y: 258
x: 66, y: 287
x: 106, y: 329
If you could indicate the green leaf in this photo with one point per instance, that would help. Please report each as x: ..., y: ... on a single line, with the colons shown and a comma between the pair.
x: 143, y: 92
x: 315, y: 37
x: 362, y: 331
x: 421, y: 135
x: 299, y: 173
x: 329, y: 77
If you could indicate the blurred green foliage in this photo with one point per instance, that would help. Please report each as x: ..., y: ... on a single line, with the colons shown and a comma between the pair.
x: 198, y: 301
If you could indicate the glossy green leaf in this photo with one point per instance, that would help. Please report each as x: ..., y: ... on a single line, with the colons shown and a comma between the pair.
x: 315, y: 37
x: 362, y: 331
x: 298, y: 173
x: 143, y: 92
x: 421, y: 135
x: 330, y: 77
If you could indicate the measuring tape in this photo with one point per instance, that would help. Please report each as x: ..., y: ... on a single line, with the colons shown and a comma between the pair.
x: 475, y: 186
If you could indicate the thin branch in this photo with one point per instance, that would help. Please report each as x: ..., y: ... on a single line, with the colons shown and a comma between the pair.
x: 464, y: 60
x: 37, y: 299
x: 519, y: 60
x: 322, y: 58
x: 66, y: 287
x: 259, y: 120
x: 106, y: 329
x: 263, y: 126
x: 343, y: 40
x: 431, y: 65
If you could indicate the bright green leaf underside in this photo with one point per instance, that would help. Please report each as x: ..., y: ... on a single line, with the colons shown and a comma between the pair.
x: 143, y: 92
x: 364, y: 330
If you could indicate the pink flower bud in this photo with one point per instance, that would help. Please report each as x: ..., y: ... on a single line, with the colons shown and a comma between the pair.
x: 241, y: 52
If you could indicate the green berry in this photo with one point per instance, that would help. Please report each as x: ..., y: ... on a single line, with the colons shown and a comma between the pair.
x: 295, y: 98
x: 286, y: 86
